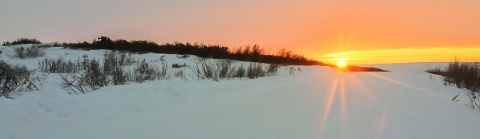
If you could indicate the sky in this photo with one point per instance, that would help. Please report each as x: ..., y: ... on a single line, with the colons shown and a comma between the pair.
x: 357, y: 31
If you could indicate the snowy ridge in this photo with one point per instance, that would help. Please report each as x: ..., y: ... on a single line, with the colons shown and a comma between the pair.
x: 316, y: 102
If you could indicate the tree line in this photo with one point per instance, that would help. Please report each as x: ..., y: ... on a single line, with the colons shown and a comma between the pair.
x: 247, y: 53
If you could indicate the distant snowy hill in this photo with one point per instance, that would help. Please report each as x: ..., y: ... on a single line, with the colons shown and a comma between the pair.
x: 312, y: 102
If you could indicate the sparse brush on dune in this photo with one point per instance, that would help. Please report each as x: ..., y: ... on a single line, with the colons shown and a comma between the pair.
x: 464, y: 75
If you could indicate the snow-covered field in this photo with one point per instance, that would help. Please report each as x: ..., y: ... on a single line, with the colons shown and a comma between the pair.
x: 316, y: 102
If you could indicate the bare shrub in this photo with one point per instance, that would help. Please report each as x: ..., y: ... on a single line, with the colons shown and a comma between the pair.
x: 197, y: 71
x: 13, y: 78
x: 126, y: 60
x: 109, y: 63
x: 206, y: 70
x: 112, y: 66
x: 464, y: 76
x: 94, y: 76
x: 119, y: 77
x: 145, y: 72
x: 73, y: 83
x: 162, y: 72
x: 28, y: 84
x: 255, y: 71
x: 35, y: 51
x: 112, y: 60
x: 272, y: 69
x: 31, y: 52
x: 224, y: 68
x: 240, y: 72
x: 20, y: 53
x: 59, y: 66
x: 92, y: 79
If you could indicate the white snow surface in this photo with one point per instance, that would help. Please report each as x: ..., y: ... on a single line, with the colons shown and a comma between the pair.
x: 316, y: 102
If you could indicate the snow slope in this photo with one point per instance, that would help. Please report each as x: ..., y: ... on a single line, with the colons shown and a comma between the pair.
x: 316, y: 102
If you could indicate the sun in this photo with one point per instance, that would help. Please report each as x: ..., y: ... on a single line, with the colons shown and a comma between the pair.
x: 341, y: 63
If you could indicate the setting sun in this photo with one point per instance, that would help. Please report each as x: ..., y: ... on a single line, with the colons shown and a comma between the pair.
x: 341, y: 63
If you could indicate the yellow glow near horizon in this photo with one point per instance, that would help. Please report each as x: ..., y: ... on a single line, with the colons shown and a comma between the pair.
x: 446, y: 54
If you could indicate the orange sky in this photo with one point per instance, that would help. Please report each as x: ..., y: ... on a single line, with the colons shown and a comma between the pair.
x: 402, y: 31
x: 314, y: 28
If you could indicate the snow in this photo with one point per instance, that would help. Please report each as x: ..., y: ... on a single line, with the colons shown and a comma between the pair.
x: 316, y: 102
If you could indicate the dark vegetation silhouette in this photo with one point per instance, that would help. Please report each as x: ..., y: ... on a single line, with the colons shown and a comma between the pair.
x: 22, y: 41
x: 464, y: 76
x: 247, y: 53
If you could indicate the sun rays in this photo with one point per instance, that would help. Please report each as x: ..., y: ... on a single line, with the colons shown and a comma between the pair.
x: 359, y: 104
x: 381, y: 124
x: 343, y: 110
x: 331, y: 96
x: 410, y: 86
x: 339, y: 84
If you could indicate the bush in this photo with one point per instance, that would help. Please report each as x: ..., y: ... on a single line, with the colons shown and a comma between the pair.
x: 31, y: 52
x: 59, y: 66
x: 255, y: 71
x: 94, y: 76
x: 240, y: 72
x: 464, y: 76
x: 92, y: 79
x: 224, y: 68
x: 206, y: 69
x: 125, y: 60
x: 119, y: 77
x: 109, y: 63
x: 73, y: 83
x: 112, y: 66
x: 14, y: 78
x: 112, y: 60
x: 145, y: 72
x: 272, y: 69
x: 20, y: 53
